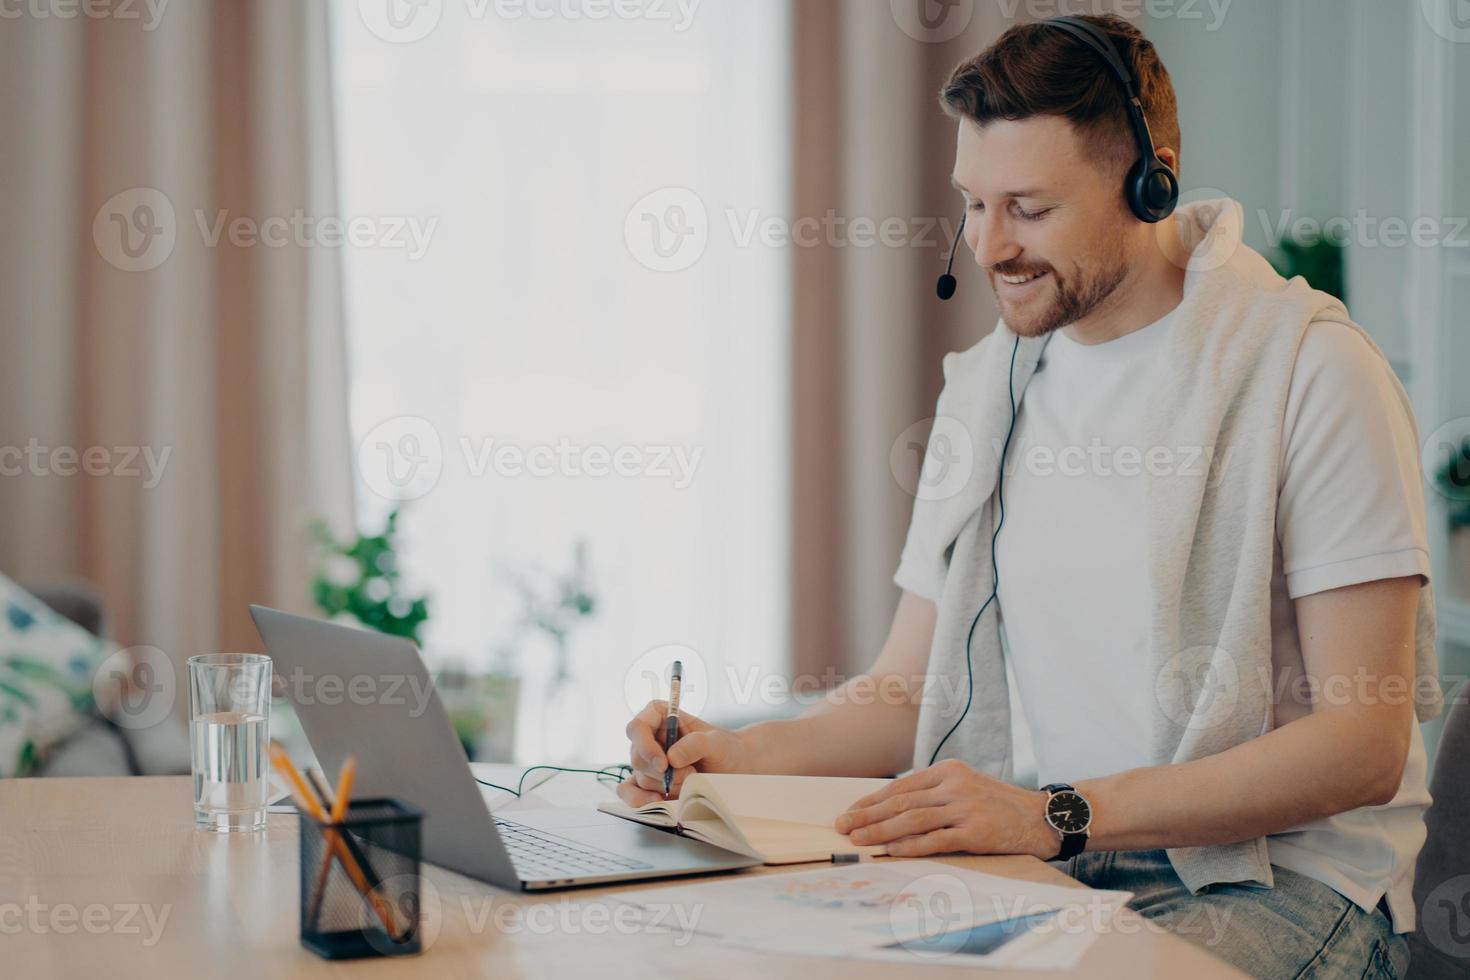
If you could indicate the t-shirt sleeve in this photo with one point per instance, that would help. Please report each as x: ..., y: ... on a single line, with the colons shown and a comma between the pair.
x: 1351, y: 504
x: 917, y: 574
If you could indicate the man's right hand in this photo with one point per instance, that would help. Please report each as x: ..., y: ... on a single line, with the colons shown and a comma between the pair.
x: 700, y: 747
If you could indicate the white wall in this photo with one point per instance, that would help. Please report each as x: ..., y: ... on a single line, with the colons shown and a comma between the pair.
x: 1227, y: 75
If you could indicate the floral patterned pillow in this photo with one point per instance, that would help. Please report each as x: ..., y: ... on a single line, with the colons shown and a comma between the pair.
x: 46, y: 667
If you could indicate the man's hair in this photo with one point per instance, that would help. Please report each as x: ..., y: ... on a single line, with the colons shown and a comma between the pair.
x: 1033, y: 70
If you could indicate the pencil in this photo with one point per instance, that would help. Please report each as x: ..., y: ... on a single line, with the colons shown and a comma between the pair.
x: 339, y: 810
x: 307, y: 799
x: 322, y: 787
x: 325, y: 794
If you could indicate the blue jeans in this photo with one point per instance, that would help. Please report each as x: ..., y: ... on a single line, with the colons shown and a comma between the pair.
x: 1299, y: 928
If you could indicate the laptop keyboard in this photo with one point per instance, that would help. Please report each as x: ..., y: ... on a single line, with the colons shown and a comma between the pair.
x: 540, y: 856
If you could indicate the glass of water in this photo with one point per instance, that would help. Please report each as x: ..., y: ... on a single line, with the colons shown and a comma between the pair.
x: 229, y: 724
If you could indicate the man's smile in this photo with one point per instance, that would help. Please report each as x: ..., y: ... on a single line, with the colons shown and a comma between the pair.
x: 1019, y: 285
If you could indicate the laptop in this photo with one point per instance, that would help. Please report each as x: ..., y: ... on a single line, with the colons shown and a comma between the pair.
x: 368, y: 694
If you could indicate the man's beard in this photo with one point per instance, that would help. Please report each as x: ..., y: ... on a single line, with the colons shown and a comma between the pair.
x: 1071, y: 298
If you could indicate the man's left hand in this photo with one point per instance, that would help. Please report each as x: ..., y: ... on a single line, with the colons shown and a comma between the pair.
x: 951, y: 807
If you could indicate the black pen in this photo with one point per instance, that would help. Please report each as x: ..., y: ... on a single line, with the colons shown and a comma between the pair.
x: 671, y: 723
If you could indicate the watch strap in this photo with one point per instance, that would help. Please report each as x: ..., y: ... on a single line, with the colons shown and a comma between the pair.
x: 1072, y: 843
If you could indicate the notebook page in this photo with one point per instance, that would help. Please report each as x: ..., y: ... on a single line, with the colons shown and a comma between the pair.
x: 789, y: 799
x: 784, y: 842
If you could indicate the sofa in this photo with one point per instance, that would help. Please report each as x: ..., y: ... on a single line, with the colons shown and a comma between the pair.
x: 103, y: 748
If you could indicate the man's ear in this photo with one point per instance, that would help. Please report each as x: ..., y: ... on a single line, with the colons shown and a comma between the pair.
x: 1167, y: 156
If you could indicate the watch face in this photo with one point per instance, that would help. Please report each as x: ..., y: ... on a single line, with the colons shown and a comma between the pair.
x: 1068, y: 812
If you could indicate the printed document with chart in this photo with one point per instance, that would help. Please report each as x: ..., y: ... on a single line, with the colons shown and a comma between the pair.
x: 911, y: 912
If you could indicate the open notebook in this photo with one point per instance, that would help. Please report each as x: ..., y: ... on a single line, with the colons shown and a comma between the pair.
x: 778, y: 819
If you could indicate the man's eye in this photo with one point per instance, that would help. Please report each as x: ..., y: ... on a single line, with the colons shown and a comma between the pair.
x: 1032, y: 215
x: 975, y: 206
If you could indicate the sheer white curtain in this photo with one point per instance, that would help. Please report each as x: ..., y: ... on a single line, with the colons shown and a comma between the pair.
x: 587, y: 343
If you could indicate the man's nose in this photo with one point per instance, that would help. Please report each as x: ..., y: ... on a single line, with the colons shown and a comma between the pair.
x: 990, y: 240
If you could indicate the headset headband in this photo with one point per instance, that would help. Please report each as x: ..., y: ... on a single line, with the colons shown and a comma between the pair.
x: 1098, y: 41
x: 1150, y: 188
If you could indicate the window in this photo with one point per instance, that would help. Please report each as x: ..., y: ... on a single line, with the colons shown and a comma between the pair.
x: 551, y: 174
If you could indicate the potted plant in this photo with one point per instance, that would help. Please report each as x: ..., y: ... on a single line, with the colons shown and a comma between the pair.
x: 358, y: 581
x: 552, y: 607
x: 486, y: 708
x: 499, y: 694
x: 481, y: 708
x: 1318, y: 260
x: 1452, y: 480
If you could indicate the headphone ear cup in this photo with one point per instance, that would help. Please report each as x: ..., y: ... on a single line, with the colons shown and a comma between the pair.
x: 1152, y: 190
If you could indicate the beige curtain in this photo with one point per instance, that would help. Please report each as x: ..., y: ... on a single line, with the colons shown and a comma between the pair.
x: 227, y: 358
x: 870, y: 141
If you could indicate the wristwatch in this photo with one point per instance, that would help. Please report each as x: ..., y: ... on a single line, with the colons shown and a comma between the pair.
x: 1070, y: 815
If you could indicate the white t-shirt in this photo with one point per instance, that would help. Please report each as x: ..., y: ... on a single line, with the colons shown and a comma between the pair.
x: 1074, y: 596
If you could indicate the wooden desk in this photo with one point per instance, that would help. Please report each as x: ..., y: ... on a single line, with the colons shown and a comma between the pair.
x: 91, y: 859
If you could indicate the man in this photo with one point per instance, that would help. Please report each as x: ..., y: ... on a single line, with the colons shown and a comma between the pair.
x: 1203, y: 472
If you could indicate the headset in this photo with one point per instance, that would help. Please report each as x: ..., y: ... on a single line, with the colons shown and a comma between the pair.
x: 1152, y: 192
x: 1150, y: 188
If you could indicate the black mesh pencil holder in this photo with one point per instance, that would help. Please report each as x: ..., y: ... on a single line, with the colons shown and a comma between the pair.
x: 360, y: 881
